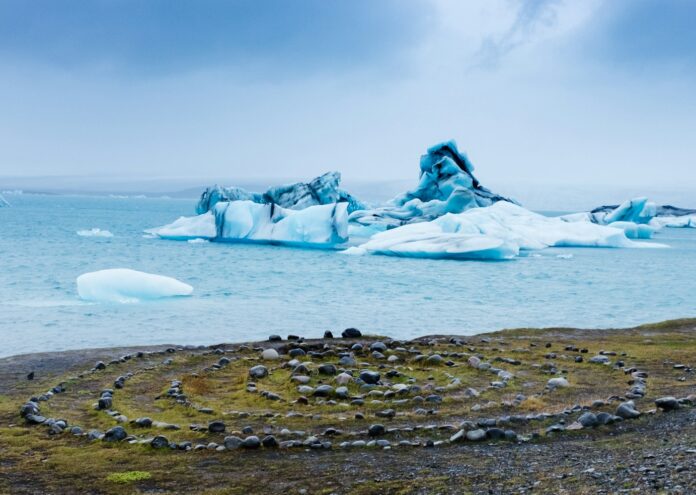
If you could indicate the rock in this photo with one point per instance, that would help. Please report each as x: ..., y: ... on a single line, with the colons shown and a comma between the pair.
x: 216, y: 427
x: 297, y: 352
x: 327, y: 369
x: 370, y: 377
x: 143, y: 422
x: 270, y: 442
x: 347, y: 361
x: 328, y: 334
x: 270, y: 355
x: 435, y: 359
x: 378, y: 346
x: 159, y: 442
x: 305, y: 389
x: 105, y: 402
x: 387, y: 413
x: 604, y: 418
x: 251, y: 442
x: 29, y: 408
x: 232, y: 442
x: 600, y: 359
x: 30, y: 376
x: 100, y: 365
x: 558, y: 382
x: 342, y: 392
x: 258, y: 371
x: 667, y: 403
x: 115, y: 434
x: 274, y: 338
x: 588, y: 420
x: 495, y: 433
x: 35, y: 419
x: 476, y: 435
x: 323, y: 391
x: 458, y: 437
x: 351, y: 333
x: 376, y: 430
x: 343, y: 379
x: 627, y: 410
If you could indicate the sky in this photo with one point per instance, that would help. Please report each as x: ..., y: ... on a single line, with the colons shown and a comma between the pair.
x: 585, y: 92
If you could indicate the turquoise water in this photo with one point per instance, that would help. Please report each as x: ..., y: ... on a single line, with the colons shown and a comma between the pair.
x: 245, y: 292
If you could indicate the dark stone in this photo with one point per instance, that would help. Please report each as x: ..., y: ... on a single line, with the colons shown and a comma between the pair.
x: 30, y: 376
x: 233, y: 442
x: 143, y: 422
x: 351, y: 333
x: 274, y: 338
x: 258, y: 371
x: 105, y: 402
x: 323, y: 391
x: 588, y: 420
x: 369, y: 377
x: 115, y: 434
x: 667, y: 403
x: 376, y: 430
x: 269, y: 442
x: 159, y: 442
x: 100, y: 365
x: 216, y: 427
x: 627, y: 410
x: 296, y: 352
x: 327, y: 369
x: 495, y: 433
x: 387, y: 413
x: 328, y: 334
x: 251, y: 442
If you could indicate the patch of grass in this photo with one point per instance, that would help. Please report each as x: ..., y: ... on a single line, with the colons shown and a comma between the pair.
x: 129, y: 476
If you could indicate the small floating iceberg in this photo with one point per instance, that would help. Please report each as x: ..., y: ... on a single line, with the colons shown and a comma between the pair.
x: 122, y: 285
x: 495, y: 232
x: 95, y: 232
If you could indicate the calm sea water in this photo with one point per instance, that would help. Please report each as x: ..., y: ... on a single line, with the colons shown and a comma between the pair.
x: 245, y: 292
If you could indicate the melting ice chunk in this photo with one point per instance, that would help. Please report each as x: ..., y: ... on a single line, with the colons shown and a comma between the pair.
x: 122, y: 285
x: 95, y: 232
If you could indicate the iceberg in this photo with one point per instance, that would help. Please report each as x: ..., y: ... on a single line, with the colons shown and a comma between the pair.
x: 495, y: 232
x: 95, y: 232
x: 638, y: 217
x: 319, y: 226
x: 447, y: 185
x: 122, y: 285
x: 321, y: 190
x: 3, y: 201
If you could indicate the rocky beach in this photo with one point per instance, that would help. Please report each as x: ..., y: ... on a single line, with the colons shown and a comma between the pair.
x: 515, y: 411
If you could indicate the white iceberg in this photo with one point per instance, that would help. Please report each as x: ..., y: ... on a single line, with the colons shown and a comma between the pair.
x: 122, y: 285
x: 499, y: 231
x: 247, y: 221
x: 95, y: 232
x: 187, y: 228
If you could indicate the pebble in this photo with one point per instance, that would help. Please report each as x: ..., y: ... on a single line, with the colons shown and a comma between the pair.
x: 258, y: 371
x: 269, y: 355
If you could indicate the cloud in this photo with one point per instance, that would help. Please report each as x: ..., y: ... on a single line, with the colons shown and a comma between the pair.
x: 277, y: 37
x: 644, y: 35
x: 531, y: 16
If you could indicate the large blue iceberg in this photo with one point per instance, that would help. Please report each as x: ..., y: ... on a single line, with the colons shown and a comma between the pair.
x: 322, y: 190
x: 447, y: 185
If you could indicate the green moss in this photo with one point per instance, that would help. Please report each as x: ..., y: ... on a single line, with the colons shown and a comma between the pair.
x: 129, y: 477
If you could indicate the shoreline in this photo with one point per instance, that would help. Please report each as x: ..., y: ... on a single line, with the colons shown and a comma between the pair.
x: 570, y: 410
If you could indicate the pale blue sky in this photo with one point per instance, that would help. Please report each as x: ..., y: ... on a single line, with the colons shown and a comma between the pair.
x: 544, y: 91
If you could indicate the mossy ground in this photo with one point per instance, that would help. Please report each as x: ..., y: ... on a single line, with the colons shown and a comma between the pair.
x: 32, y: 461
